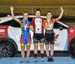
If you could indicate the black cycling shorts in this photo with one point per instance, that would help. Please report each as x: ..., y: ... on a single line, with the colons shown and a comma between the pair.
x: 38, y: 38
x: 49, y: 37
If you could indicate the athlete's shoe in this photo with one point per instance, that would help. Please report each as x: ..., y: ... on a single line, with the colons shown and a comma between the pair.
x: 27, y: 60
x: 35, y: 59
x: 42, y: 59
x: 22, y: 61
x: 50, y: 59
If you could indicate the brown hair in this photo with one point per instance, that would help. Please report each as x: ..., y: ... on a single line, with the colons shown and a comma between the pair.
x: 38, y: 9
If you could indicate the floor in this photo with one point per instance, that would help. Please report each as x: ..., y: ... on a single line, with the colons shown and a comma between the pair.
x: 57, y: 60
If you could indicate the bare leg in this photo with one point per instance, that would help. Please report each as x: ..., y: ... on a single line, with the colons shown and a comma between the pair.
x: 47, y: 49
x: 42, y: 48
x: 35, y: 51
x: 51, y: 53
x: 28, y: 51
x: 52, y: 49
x: 35, y: 48
x: 42, y: 51
x: 23, y: 52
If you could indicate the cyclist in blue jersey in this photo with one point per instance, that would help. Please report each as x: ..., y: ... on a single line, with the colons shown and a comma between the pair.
x: 25, y: 37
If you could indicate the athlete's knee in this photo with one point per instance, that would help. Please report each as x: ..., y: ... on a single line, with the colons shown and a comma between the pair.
x: 52, y: 46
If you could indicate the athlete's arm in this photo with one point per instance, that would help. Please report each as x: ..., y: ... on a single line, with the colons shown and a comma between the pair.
x: 12, y: 13
x: 47, y: 28
x: 60, y: 16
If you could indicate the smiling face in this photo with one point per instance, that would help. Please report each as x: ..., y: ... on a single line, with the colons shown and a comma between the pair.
x: 25, y: 16
x: 49, y: 15
x: 37, y: 13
